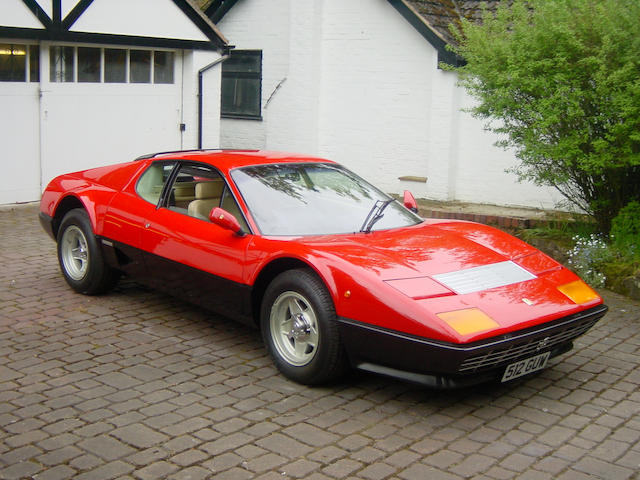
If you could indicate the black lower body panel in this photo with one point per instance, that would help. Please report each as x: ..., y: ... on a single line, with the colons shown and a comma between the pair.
x: 212, y: 292
x: 448, y: 365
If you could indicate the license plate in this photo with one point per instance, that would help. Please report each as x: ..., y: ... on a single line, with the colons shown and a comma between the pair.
x: 524, y: 367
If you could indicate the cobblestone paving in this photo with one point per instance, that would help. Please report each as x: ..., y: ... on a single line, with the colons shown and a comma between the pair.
x: 136, y: 385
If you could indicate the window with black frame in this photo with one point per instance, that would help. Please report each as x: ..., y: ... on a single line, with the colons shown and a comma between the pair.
x: 242, y: 85
x: 101, y: 65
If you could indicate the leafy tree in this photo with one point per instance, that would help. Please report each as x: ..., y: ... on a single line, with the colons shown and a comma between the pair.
x: 559, y: 80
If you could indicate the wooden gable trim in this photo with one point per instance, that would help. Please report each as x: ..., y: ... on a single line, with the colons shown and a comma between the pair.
x: 202, y: 22
x: 58, y: 29
x: 106, y: 39
x: 218, y: 9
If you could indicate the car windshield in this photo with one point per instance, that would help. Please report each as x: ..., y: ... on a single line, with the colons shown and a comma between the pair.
x: 316, y: 199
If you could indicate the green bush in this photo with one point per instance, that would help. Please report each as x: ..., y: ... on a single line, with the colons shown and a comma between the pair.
x: 625, y: 230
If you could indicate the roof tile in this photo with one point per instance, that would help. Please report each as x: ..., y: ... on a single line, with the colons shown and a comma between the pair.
x: 439, y: 14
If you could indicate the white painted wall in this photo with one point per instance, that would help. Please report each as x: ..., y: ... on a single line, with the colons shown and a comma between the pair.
x: 46, y: 5
x: 16, y: 14
x: 145, y: 18
x: 362, y: 87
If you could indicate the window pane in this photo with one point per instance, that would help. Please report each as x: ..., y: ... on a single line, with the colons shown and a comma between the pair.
x: 242, y: 84
x: 61, y: 64
x: 13, y: 63
x: 88, y: 64
x: 196, y: 191
x: 140, y: 66
x: 115, y: 70
x: 318, y: 199
x: 150, y: 184
x: 241, y: 96
x: 243, y: 62
x: 34, y: 63
x: 162, y: 67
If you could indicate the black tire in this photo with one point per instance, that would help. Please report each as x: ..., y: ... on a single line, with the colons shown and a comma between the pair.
x: 298, y: 323
x: 80, y: 256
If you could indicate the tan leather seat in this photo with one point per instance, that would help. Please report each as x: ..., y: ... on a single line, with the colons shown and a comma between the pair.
x: 207, y: 197
x: 183, y: 193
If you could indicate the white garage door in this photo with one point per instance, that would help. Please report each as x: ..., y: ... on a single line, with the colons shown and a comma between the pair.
x: 108, y: 105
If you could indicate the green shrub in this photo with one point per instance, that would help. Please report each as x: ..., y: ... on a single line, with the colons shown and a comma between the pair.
x: 625, y: 230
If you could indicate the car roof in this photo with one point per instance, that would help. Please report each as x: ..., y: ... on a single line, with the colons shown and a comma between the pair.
x: 230, y: 159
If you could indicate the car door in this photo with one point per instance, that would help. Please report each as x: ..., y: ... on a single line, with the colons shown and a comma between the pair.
x: 125, y: 219
x: 188, y: 255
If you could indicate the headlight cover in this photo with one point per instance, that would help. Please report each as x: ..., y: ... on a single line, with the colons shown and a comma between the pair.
x: 578, y: 292
x: 468, y: 320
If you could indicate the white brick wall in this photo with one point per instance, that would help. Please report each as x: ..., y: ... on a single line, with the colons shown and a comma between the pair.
x: 362, y: 87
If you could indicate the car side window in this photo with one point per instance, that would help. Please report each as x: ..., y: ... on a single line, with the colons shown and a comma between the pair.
x: 151, y: 182
x: 195, y: 190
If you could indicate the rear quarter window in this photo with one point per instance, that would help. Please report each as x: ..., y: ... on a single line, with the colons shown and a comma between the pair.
x: 152, y: 181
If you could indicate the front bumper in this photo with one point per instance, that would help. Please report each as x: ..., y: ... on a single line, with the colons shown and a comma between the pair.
x: 448, y: 365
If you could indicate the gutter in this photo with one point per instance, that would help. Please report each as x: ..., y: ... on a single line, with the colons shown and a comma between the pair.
x: 200, y: 102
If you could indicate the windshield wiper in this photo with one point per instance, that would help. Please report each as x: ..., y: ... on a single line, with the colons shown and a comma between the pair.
x: 375, y: 214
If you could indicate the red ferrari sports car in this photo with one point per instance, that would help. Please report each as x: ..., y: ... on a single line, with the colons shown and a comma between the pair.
x: 335, y: 273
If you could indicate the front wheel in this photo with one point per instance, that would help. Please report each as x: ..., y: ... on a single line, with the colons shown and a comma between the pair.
x: 298, y: 323
x: 80, y: 256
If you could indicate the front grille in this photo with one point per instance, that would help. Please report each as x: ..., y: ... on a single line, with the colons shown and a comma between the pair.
x: 509, y: 352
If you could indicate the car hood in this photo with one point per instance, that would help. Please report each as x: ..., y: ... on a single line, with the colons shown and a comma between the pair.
x: 431, y: 248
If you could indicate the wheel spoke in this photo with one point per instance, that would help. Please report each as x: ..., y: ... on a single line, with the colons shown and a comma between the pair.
x: 301, y: 349
x: 312, y: 344
x: 295, y: 306
x: 285, y: 325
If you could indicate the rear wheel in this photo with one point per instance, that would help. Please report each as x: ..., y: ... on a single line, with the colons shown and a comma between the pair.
x: 80, y: 256
x: 298, y: 323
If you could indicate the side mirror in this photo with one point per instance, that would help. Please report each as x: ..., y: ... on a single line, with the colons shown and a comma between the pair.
x: 226, y: 220
x: 410, y: 202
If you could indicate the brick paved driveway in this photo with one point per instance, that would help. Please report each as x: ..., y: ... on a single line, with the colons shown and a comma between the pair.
x: 137, y: 385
